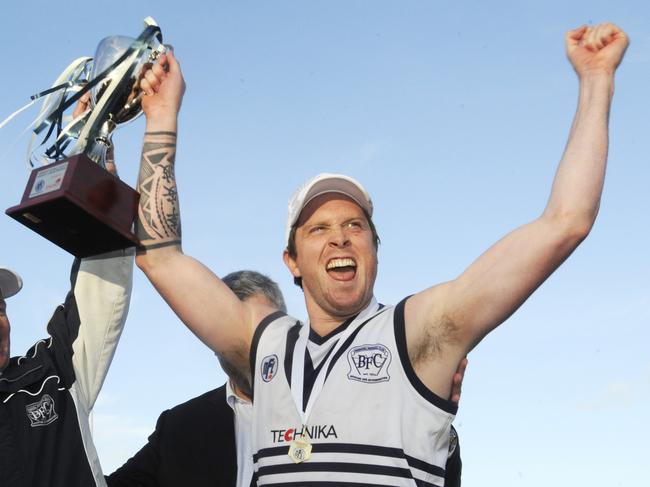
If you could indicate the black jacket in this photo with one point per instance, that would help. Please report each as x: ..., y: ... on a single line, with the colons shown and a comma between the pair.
x: 193, y: 444
x: 46, y: 396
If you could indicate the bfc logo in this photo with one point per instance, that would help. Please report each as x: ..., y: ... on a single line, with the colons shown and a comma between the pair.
x: 269, y: 367
x: 42, y: 413
x: 369, y: 363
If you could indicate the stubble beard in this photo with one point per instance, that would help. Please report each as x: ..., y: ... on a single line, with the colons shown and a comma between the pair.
x: 336, y: 304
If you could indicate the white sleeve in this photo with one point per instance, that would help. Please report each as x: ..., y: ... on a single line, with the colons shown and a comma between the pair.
x: 102, y: 291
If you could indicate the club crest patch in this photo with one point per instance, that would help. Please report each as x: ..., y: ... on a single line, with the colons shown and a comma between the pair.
x: 369, y: 363
x: 42, y: 413
x: 269, y: 367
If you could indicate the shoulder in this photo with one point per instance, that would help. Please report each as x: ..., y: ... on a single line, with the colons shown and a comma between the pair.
x: 208, y: 400
x: 195, y: 424
x: 274, y: 318
x: 36, y: 366
x: 273, y: 326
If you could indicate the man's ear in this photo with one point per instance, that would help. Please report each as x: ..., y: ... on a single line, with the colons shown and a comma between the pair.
x: 5, y: 331
x: 291, y: 264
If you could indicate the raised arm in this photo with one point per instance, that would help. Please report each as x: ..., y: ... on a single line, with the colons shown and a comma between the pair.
x: 102, y: 294
x: 196, y: 295
x: 448, y: 320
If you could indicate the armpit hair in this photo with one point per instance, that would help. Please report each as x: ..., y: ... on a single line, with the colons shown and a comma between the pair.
x: 240, y: 377
x: 434, y: 339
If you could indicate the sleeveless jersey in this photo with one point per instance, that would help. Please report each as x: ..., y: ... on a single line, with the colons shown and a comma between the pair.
x: 373, y: 423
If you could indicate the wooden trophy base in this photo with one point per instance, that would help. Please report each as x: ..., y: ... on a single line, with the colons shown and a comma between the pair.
x: 79, y: 206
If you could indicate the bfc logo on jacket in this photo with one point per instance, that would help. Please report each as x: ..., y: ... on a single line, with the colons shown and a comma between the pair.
x: 369, y: 363
x: 42, y: 413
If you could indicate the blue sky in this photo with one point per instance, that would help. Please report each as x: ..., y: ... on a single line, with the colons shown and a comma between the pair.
x: 454, y: 116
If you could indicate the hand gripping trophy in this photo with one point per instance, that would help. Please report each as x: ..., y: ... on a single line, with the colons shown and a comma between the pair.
x: 70, y: 198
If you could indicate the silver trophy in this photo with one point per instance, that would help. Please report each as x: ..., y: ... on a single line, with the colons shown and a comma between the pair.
x: 116, y: 99
x: 71, y: 199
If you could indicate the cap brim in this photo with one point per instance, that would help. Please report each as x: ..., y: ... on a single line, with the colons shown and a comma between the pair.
x: 341, y: 186
x: 10, y: 283
x: 323, y: 184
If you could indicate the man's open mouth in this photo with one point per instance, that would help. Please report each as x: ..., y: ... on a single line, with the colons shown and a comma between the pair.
x: 342, y: 268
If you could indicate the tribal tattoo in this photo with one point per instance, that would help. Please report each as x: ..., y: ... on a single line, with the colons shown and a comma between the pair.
x: 159, y: 220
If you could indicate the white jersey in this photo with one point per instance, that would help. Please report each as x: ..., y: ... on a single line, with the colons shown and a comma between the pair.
x: 372, y: 423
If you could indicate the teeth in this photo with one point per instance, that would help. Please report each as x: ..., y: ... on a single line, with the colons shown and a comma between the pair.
x: 334, y: 263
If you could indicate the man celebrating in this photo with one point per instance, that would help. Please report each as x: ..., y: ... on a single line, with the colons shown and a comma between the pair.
x: 206, y: 441
x: 356, y: 396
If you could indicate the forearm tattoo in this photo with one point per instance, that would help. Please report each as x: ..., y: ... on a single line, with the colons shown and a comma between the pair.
x: 159, y: 219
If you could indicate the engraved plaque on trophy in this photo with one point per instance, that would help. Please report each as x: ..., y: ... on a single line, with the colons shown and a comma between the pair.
x: 72, y: 199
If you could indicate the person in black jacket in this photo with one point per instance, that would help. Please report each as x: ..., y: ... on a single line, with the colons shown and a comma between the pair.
x: 198, y: 443
x: 47, y: 395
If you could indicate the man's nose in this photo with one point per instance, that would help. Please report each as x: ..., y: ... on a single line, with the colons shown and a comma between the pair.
x: 339, y: 237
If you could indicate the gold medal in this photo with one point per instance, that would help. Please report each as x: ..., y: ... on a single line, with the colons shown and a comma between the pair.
x: 299, y: 451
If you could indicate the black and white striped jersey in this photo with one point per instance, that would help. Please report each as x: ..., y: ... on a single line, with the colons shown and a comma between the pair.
x: 373, y: 423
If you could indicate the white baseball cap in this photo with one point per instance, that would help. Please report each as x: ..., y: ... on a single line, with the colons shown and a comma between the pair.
x: 322, y: 184
x: 10, y: 283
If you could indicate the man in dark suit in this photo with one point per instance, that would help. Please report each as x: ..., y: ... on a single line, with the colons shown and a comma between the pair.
x: 202, y: 442
x: 194, y: 442
x: 192, y: 445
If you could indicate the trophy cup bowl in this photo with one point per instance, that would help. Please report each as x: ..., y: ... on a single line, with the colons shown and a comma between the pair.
x: 108, y: 51
x: 74, y: 201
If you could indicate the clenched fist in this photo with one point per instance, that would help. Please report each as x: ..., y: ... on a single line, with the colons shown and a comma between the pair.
x: 596, y: 50
x: 163, y: 86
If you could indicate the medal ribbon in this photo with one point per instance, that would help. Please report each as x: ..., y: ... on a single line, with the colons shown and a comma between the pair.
x: 298, y: 361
